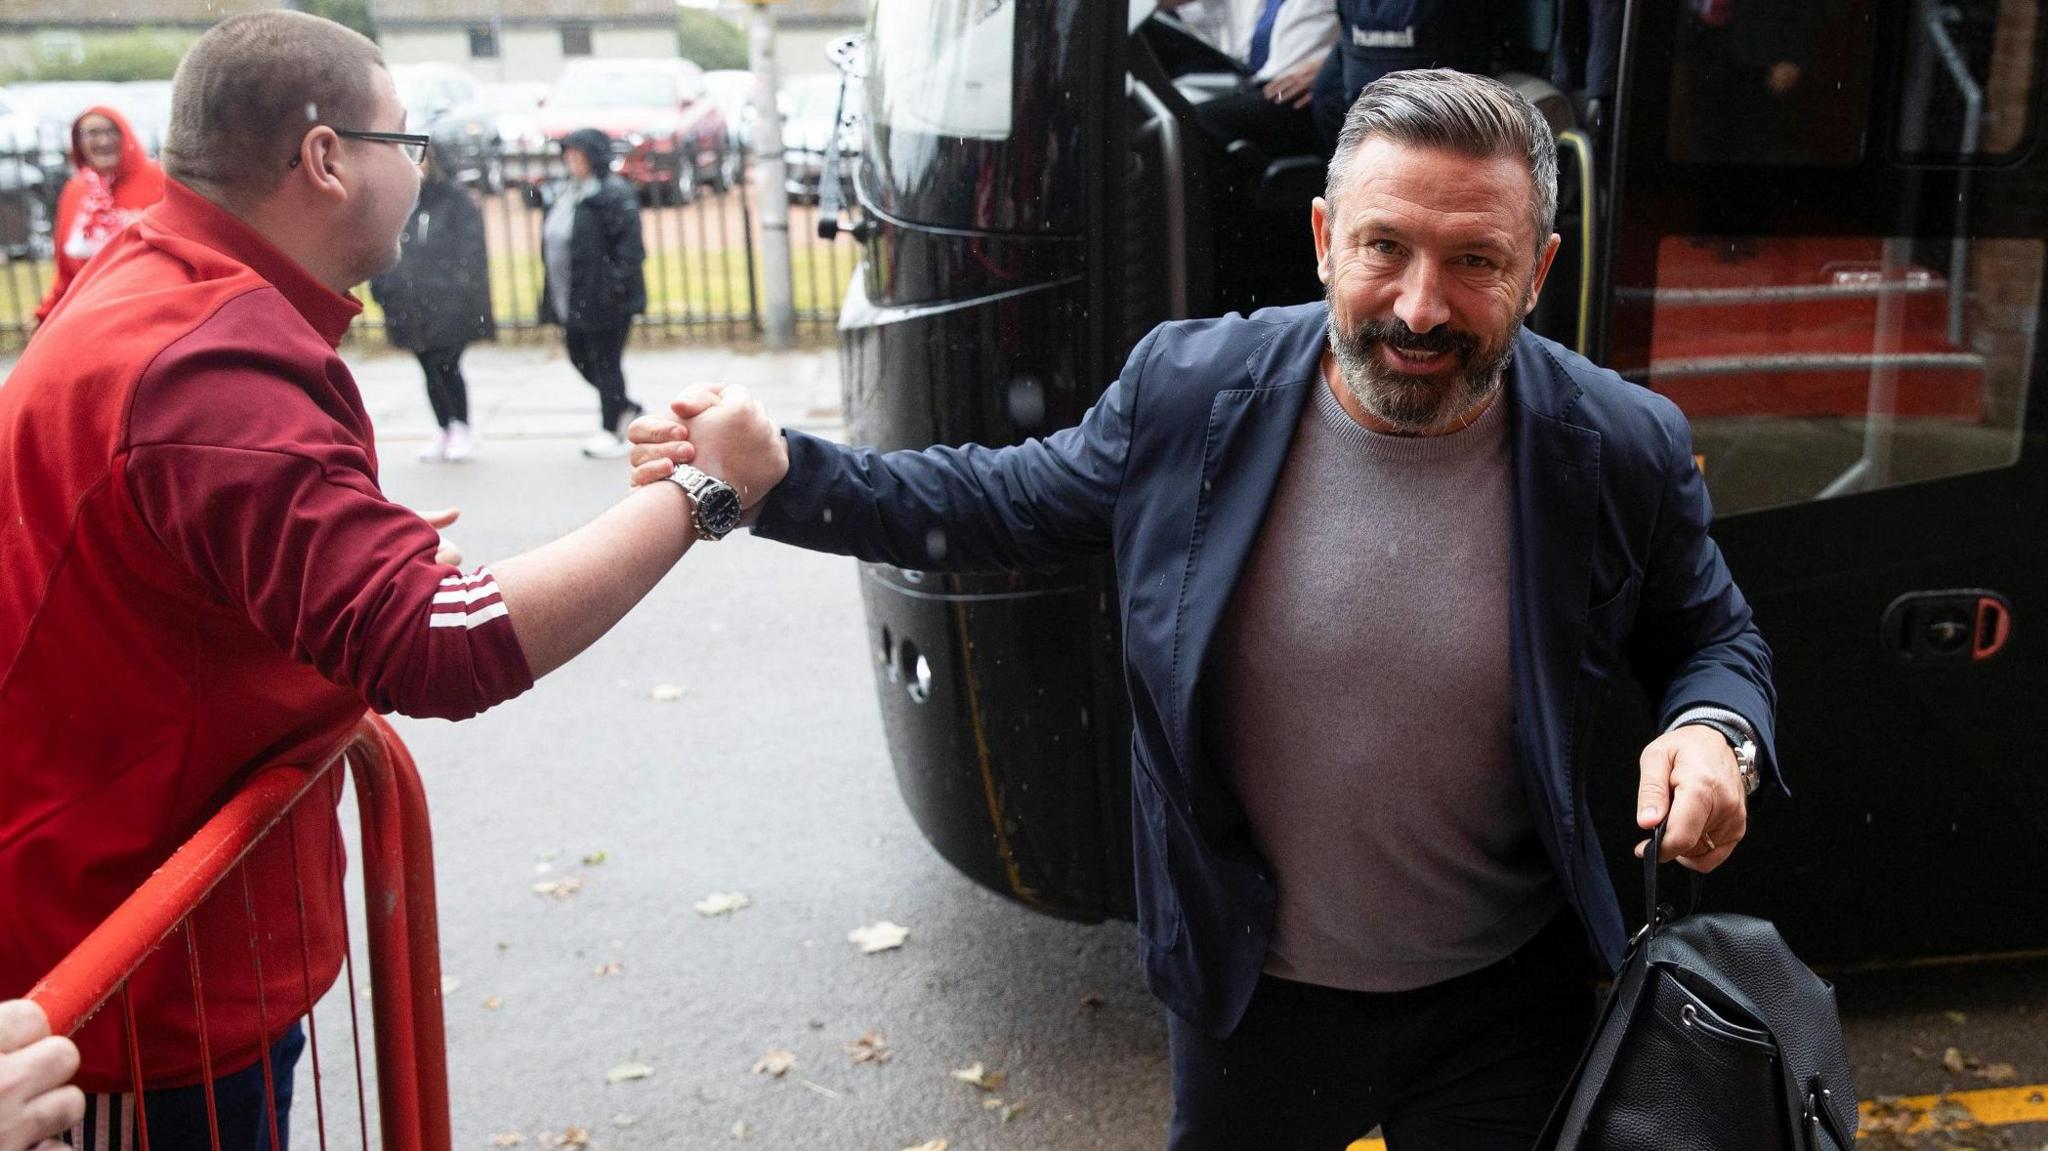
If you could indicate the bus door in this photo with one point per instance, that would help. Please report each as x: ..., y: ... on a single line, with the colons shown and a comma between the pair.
x: 1829, y: 252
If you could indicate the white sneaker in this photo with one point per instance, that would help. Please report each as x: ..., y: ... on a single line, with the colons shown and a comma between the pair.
x: 437, y: 447
x: 605, y: 446
x: 626, y: 418
x: 461, y: 442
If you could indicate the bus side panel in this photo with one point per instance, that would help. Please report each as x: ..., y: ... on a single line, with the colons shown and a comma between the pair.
x: 1001, y: 694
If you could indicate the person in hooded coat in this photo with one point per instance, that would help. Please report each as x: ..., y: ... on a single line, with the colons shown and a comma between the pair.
x: 593, y: 284
x: 112, y: 181
x: 437, y: 301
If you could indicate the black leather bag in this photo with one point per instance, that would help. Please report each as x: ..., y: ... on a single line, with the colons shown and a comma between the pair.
x: 1714, y: 1038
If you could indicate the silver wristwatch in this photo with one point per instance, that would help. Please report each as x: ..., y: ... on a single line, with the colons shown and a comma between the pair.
x: 1743, y: 747
x: 714, y: 505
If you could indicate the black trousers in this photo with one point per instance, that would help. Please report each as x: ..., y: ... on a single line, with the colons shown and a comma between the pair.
x: 597, y: 354
x: 1278, y: 129
x: 446, y: 392
x: 1471, y: 1064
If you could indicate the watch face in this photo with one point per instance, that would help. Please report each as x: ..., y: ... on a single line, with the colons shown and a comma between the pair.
x: 719, y: 510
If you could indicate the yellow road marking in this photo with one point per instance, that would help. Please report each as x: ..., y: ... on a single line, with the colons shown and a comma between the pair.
x: 1991, y: 1107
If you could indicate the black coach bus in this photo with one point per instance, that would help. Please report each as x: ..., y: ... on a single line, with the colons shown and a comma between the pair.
x: 1834, y: 268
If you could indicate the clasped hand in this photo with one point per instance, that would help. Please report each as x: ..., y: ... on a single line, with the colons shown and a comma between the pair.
x: 722, y: 430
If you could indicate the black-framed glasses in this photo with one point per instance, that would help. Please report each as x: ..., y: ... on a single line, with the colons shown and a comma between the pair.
x: 413, y: 144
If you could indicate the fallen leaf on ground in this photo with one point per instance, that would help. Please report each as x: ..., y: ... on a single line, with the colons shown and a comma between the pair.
x: 981, y: 1077
x: 492, y: 1003
x: 869, y: 1048
x: 934, y: 1145
x: 1889, y: 1113
x: 1958, y: 1063
x: 721, y: 903
x: 881, y: 936
x: 775, y: 1062
x: 665, y: 693
x: 627, y: 1072
x: 1996, y: 1073
x: 604, y: 969
x: 595, y: 858
x: 570, y: 1137
x: 507, y: 1139
x: 1012, y: 1110
x: 559, y: 888
x: 1949, y: 1113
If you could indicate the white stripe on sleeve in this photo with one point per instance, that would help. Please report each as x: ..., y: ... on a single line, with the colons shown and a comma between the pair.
x: 470, y: 619
x: 466, y: 595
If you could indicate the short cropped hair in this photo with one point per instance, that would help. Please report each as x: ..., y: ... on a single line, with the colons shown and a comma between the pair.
x: 250, y: 89
x: 1459, y: 112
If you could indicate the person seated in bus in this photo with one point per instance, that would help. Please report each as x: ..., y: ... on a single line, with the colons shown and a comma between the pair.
x: 1375, y: 37
x: 1376, y: 557
x: 37, y: 1103
x: 203, y: 574
x: 1281, y: 45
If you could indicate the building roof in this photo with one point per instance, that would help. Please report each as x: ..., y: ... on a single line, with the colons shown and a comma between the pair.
x: 49, y: 14
x: 821, y: 12
x: 415, y: 13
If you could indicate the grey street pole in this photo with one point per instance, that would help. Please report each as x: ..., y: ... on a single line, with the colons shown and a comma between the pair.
x: 778, y: 321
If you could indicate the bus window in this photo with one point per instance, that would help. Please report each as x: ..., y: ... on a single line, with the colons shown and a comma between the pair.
x: 1819, y: 366
x: 1969, y: 78
x: 1770, y: 82
x: 972, y: 117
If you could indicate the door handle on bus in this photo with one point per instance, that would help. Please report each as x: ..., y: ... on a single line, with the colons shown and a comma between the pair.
x: 1955, y: 627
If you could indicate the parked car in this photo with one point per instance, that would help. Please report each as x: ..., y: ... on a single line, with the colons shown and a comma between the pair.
x: 147, y: 105
x: 733, y: 91
x: 808, y: 105
x: 440, y: 101
x: 668, y: 136
x: 54, y: 105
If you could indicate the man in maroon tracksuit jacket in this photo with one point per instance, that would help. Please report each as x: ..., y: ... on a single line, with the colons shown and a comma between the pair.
x: 202, y: 574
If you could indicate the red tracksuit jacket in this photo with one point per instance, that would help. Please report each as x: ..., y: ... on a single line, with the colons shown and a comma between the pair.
x: 199, y: 575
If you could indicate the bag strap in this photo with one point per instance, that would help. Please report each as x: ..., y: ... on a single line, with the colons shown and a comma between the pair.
x: 1567, y: 1124
x: 1653, y: 919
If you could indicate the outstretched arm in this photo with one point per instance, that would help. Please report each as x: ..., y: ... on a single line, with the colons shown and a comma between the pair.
x: 1030, y: 506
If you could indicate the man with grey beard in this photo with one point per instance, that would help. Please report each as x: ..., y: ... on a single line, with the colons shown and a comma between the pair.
x: 1375, y: 557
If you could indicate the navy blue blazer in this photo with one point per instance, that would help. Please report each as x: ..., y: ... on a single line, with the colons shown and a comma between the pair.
x: 1172, y: 470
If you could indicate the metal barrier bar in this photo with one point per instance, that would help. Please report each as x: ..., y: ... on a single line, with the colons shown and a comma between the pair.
x: 398, y: 885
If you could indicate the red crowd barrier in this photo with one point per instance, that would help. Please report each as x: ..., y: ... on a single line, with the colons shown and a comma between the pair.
x: 397, y: 871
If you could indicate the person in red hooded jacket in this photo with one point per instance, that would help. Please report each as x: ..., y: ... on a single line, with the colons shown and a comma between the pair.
x: 112, y: 182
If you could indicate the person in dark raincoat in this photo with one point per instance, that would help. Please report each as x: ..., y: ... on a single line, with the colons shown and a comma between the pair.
x: 437, y: 301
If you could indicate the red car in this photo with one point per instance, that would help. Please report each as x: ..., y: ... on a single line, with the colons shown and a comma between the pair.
x: 668, y: 137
